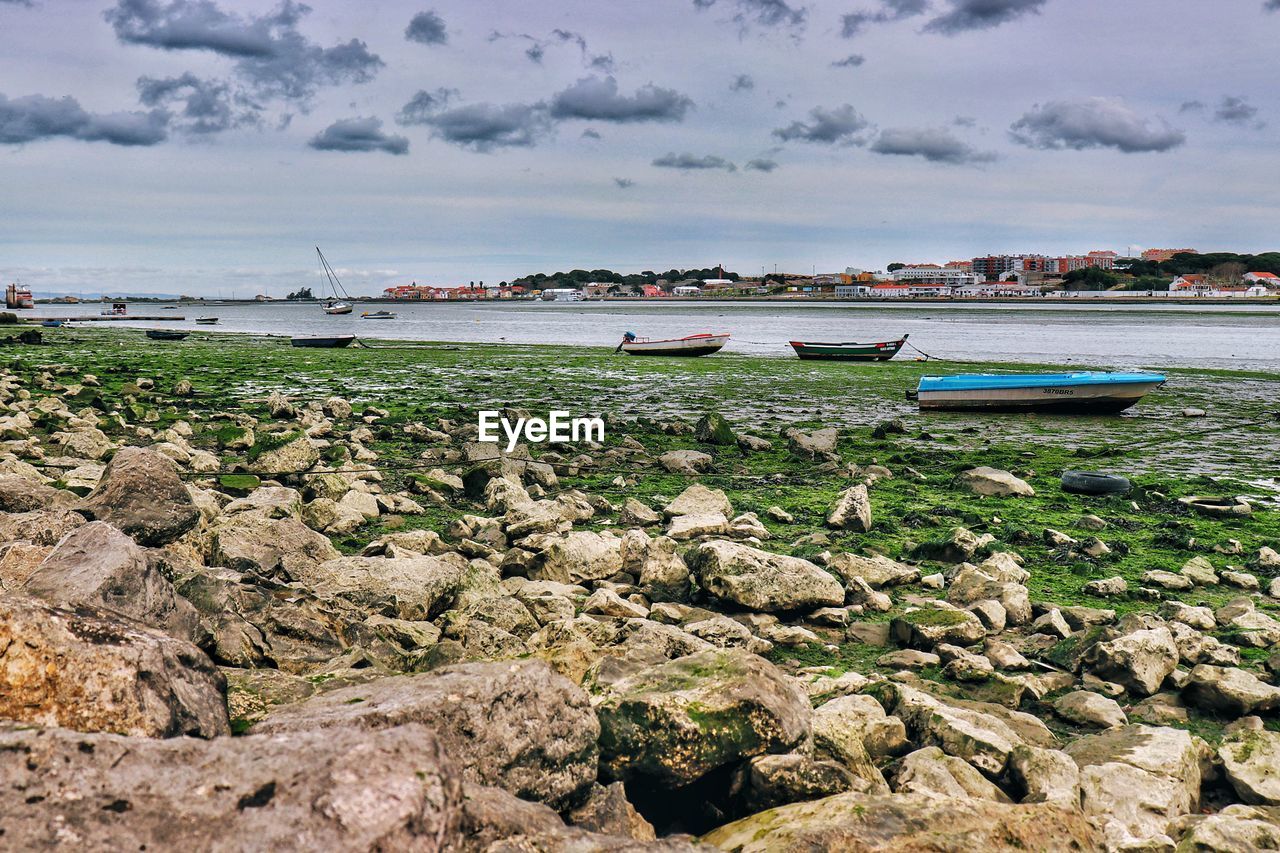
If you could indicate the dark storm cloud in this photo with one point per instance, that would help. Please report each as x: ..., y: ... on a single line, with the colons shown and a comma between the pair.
x: 838, y: 126
x: 272, y: 55
x: 1236, y: 110
x: 893, y: 10
x: 853, y: 60
x: 693, y: 162
x: 761, y: 164
x: 624, y: 183
x: 427, y: 28
x: 484, y: 127
x: 35, y: 117
x: 358, y: 135
x: 766, y: 13
x: 591, y: 134
x: 207, y: 106
x: 937, y: 145
x: 598, y: 99
x: 28, y: 3
x: 967, y: 15
x: 425, y: 104
x: 1272, y: 5
x: 1191, y: 107
x: 1093, y: 123
x: 742, y: 83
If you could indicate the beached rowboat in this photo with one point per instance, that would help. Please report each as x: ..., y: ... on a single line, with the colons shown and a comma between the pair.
x: 166, y: 335
x: 848, y: 351
x: 323, y: 341
x: 700, y: 344
x: 207, y: 321
x: 1068, y: 393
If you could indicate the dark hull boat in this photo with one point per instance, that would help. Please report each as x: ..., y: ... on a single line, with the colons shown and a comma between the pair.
x: 323, y: 341
x: 848, y: 351
x: 1063, y: 393
x: 165, y: 335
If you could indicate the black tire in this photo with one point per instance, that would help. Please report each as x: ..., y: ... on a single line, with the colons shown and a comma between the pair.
x: 1093, y: 483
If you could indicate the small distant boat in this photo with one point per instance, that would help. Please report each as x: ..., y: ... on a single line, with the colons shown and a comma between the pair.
x: 1087, y: 392
x: 169, y: 308
x: 166, y: 335
x: 18, y: 296
x: 704, y: 343
x: 207, y: 321
x: 117, y: 309
x: 323, y: 341
x: 337, y: 308
x: 378, y: 315
x: 848, y: 351
x: 52, y: 324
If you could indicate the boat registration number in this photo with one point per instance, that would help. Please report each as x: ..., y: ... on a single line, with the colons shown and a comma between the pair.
x: 1060, y: 392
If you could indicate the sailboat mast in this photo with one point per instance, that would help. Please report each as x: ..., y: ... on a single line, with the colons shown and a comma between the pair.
x: 335, y: 285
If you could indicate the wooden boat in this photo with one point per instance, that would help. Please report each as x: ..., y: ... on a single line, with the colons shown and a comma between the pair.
x: 166, y: 335
x: 52, y: 324
x: 690, y: 345
x: 378, y: 315
x: 848, y: 351
x: 207, y: 321
x: 323, y: 341
x: 1086, y: 392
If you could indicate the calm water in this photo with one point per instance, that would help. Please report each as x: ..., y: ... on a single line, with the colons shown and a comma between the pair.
x: 1242, y: 337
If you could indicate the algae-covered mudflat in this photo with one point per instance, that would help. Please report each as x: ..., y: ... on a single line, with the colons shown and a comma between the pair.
x: 1167, y: 454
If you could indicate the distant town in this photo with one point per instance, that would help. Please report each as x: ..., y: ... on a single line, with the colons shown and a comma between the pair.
x: 1155, y: 273
x: 1151, y: 274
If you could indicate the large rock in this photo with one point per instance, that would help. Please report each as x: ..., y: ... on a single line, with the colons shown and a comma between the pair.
x: 878, y: 571
x: 141, y: 494
x: 678, y: 720
x: 413, y: 587
x: 767, y: 781
x: 926, y: 627
x: 1139, y: 661
x: 977, y: 736
x: 699, y: 500
x: 992, y: 482
x: 1235, y: 829
x: 22, y: 494
x: 760, y: 580
x: 85, y: 670
x: 338, y: 790
x: 852, y: 729
x: 98, y: 566
x: 852, y: 510
x: 1135, y: 779
x: 513, y: 724
x: 579, y: 556
x: 862, y: 823
x: 1251, y: 762
x: 256, y: 544
x: 294, y: 456
x: 931, y: 771
x: 1229, y: 690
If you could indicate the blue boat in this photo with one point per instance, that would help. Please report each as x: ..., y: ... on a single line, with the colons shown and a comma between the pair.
x: 1085, y: 392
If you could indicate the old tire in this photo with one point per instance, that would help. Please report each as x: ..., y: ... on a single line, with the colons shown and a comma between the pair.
x: 1093, y: 483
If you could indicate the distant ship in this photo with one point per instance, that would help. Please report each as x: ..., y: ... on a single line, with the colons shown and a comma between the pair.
x: 18, y: 296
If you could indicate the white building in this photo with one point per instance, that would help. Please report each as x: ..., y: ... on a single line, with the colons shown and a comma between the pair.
x: 933, y: 275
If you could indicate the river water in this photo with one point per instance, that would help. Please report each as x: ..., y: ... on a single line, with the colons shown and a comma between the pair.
x: 1242, y: 337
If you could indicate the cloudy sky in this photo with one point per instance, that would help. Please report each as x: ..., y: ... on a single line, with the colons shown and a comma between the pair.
x: 204, y: 146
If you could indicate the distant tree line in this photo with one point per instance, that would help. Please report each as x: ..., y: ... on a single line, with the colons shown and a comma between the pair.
x: 579, y: 278
x: 1185, y: 263
x: 302, y: 293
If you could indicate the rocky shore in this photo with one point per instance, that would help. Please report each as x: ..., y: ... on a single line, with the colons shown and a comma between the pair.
x: 313, y: 621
